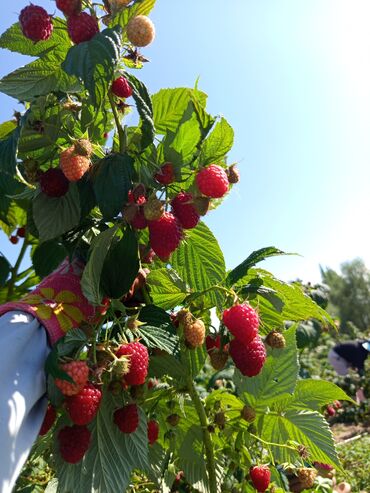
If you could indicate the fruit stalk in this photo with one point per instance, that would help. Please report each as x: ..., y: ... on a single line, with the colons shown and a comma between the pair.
x: 14, y: 270
x: 121, y: 132
x: 208, y: 445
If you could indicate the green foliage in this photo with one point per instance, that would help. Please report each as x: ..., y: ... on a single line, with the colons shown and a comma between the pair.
x: 94, y: 63
x: 349, y: 294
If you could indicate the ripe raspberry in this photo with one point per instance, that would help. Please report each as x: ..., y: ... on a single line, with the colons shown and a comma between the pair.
x: 306, y: 477
x: 73, y: 443
x: 242, y: 321
x: 53, y: 183
x: 165, y: 235
x: 153, y: 431
x: 212, y: 343
x: 166, y: 174
x: 275, y: 340
x: 79, y: 372
x: 35, y: 23
x: 139, y: 361
x: 184, y: 210
x: 212, y: 181
x: 73, y: 165
x: 260, y: 476
x: 49, y: 420
x: 13, y: 239
x: 233, y: 174
x: 83, y: 147
x: 127, y: 418
x: 140, y: 30
x: 82, y: 408
x: 249, y: 358
x: 195, y: 334
x: 121, y: 88
x: 146, y: 254
x: 139, y: 221
x: 82, y: 27
x: 21, y: 232
x: 153, y: 209
x: 69, y: 7
x: 330, y: 410
x: 218, y: 359
x: 248, y: 413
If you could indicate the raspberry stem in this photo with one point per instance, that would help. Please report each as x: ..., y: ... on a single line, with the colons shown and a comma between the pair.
x: 208, y: 445
x: 120, y: 130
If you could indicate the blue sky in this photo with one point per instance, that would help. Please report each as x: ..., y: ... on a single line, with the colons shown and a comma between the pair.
x: 293, y: 79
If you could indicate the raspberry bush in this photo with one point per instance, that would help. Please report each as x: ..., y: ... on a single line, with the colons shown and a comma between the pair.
x: 187, y: 379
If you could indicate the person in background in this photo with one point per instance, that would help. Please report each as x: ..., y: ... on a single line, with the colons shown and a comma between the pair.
x: 350, y: 355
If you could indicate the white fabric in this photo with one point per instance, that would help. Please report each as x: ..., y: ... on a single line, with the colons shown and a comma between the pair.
x: 340, y: 365
x: 24, y: 349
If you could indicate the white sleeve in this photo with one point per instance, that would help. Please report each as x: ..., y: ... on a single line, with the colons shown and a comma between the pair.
x: 24, y: 349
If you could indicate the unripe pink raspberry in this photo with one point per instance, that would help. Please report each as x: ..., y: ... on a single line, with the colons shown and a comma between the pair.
x: 248, y: 358
x: 212, y: 181
x: 184, y: 210
x: 140, y: 30
x: 79, y: 372
x: 49, y: 420
x: 35, y: 23
x: 242, y: 321
x: 165, y: 235
x: 82, y: 27
x: 121, y: 88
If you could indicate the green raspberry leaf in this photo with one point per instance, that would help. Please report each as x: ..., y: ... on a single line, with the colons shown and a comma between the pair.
x: 94, y: 63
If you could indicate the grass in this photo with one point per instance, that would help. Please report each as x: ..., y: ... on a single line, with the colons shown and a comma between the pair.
x: 355, y: 458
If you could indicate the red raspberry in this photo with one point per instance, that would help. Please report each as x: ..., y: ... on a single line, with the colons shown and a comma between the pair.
x: 121, y: 88
x: 242, y: 321
x: 82, y: 27
x: 82, y: 408
x: 165, y: 235
x: 139, y: 361
x: 13, y: 239
x: 21, y: 232
x: 69, y: 7
x: 166, y: 174
x: 212, y: 181
x: 53, y: 183
x: 49, y: 420
x: 139, y: 221
x: 153, y: 431
x: 79, y: 372
x: 35, y: 23
x: 330, y: 410
x: 337, y: 404
x: 260, y: 476
x: 127, y: 418
x: 213, y: 343
x: 184, y: 210
x: 249, y: 358
x: 73, y: 165
x: 73, y: 443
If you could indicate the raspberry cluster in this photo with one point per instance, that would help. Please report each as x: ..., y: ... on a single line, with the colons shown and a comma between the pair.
x: 247, y: 348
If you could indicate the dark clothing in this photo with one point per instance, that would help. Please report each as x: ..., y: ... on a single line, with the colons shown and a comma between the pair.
x: 354, y: 353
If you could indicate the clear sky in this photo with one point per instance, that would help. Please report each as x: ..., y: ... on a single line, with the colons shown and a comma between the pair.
x: 293, y: 79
